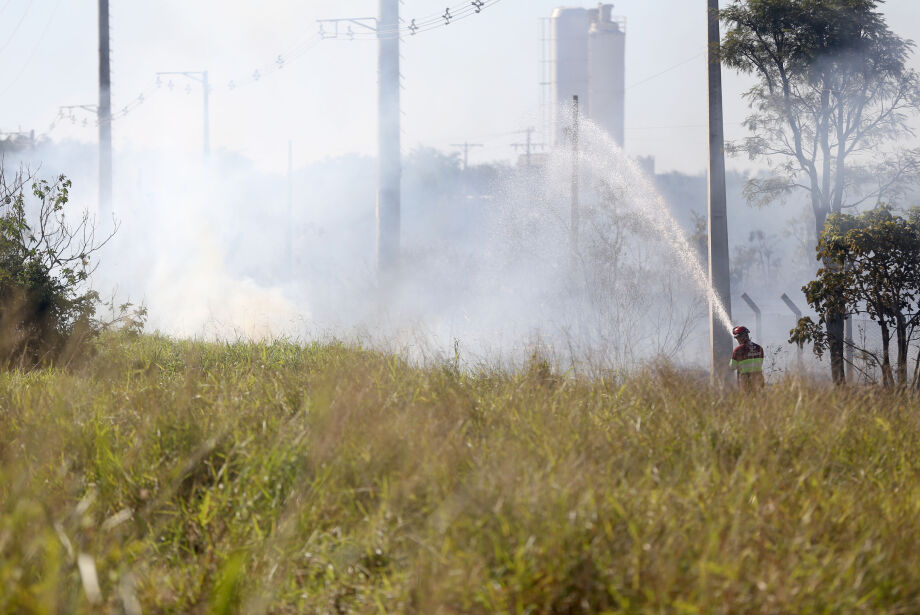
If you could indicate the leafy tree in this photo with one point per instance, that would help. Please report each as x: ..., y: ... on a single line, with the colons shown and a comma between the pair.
x: 872, y: 267
x: 45, y: 307
x: 755, y: 260
x: 832, y: 96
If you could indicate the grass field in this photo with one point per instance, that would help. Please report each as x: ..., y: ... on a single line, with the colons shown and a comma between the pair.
x: 175, y: 477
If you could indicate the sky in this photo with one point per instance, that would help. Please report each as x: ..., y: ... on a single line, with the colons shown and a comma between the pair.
x: 476, y: 80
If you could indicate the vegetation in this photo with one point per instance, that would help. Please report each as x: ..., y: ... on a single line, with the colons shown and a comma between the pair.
x: 833, y: 96
x: 165, y: 476
x: 874, y: 269
x: 46, y: 311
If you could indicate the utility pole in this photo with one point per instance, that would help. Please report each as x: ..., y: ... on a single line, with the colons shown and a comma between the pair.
x: 290, y: 210
x: 465, y: 146
x: 206, y: 120
x: 575, y: 169
x: 389, y: 163
x: 528, y: 146
x: 389, y: 153
x: 199, y: 76
x: 720, y: 341
x: 104, y: 111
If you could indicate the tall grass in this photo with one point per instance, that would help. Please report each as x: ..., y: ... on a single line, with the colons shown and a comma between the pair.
x: 172, y: 477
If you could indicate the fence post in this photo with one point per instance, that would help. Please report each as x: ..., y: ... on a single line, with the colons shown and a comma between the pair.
x: 798, y: 316
x: 758, y: 317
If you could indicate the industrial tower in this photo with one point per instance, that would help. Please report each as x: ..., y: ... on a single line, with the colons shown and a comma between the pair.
x: 589, y: 61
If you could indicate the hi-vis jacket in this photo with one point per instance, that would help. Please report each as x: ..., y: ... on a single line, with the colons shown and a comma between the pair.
x: 747, y: 359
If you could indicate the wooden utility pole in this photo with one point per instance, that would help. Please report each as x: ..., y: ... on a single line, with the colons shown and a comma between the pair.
x: 528, y: 146
x: 389, y: 164
x: 465, y: 146
x: 104, y: 114
x: 720, y: 339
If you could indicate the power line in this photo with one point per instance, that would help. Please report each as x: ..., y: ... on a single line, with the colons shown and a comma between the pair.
x: 667, y: 70
x: 38, y: 42
x: 16, y: 28
x: 280, y: 62
x: 412, y: 27
x: 294, y: 52
x: 376, y: 31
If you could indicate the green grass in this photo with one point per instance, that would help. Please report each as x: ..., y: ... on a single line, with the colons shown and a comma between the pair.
x: 247, y: 478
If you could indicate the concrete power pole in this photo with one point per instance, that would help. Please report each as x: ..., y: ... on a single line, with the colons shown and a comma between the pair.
x: 290, y: 211
x: 575, y: 163
x: 389, y: 164
x: 104, y: 111
x: 207, y: 114
x: 719, y: 337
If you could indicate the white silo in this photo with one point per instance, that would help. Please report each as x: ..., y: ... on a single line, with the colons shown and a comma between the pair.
x: 589, y: 62
x: 606, y: 72
x: 570, y: 62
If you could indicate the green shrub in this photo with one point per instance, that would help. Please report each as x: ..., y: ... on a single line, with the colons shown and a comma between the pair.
x: 46, y: 309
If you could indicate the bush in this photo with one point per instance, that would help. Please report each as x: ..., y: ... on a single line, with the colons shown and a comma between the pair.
x: 46, y: 309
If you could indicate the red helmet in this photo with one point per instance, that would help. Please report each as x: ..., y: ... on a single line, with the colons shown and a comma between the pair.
x: 739, y: 330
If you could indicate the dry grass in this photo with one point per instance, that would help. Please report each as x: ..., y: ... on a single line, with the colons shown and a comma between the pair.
x: 198, y: 478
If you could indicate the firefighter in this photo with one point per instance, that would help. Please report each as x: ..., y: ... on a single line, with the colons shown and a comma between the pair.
x: 747, y: 360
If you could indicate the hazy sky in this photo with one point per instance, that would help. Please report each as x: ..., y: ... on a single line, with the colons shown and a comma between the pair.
x: 475, y: 80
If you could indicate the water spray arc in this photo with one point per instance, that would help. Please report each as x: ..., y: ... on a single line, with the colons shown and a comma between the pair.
x: 605, y: 159
x: 720, y: 341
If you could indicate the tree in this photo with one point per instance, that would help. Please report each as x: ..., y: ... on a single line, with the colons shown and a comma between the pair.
x: 45, y: 262
x: 831, y: 99
x: 756, y: 260
x: 872, y: 266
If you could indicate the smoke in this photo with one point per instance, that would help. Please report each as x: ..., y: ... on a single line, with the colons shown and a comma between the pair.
x: 490, y: 265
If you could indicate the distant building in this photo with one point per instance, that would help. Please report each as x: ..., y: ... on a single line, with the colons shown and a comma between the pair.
x: 589, y: 61
x: 17, y: 141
